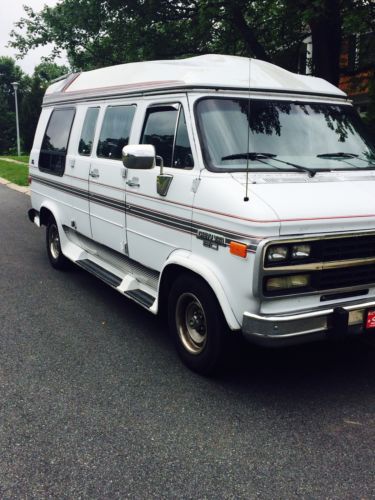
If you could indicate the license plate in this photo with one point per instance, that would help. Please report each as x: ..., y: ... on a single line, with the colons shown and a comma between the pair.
x: 370, y: 319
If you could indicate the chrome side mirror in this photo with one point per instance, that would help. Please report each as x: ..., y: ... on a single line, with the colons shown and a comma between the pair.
x: 138, y: 156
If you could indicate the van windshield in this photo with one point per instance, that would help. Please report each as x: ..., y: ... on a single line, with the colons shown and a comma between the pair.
x: 271, y: 135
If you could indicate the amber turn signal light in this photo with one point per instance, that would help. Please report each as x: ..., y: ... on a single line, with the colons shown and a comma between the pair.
x: 239, y: 249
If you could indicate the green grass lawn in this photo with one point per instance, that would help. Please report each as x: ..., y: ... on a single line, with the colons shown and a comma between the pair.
x: 24, y: 159
x: 14, y: 172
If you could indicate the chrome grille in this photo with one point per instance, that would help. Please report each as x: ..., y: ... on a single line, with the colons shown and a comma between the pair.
x: 335, y: 263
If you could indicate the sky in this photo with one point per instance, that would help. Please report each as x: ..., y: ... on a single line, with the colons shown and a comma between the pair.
x: 10, y: 12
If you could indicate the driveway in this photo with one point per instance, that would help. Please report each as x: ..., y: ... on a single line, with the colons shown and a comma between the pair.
x: 94, y: 403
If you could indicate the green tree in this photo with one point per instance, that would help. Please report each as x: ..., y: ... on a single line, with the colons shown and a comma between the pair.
x: 33, y: 98
x: 97, y: 33
x: 48, y: 71
x: 30, y: 96
x: 9, y: 73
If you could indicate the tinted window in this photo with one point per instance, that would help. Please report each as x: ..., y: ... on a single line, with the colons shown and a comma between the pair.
x: 55, y: 142
x: 182, y: 156
x: 115, y: 131
x: 159, y: 131
x: 88, y: 131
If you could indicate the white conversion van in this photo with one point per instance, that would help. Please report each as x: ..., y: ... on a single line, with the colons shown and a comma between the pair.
x: 237, y: 195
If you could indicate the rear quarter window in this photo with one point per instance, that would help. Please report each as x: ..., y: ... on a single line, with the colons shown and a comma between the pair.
x: 55, y: 141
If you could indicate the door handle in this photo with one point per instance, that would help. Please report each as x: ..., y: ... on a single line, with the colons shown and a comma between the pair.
x: 133, y: 182
x: 94, y: 173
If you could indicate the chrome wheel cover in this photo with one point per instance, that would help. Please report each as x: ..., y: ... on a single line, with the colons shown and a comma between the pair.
x: 191, y: 323
x: 54, y: 241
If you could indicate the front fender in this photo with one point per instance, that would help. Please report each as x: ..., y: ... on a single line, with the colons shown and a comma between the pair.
x: 205, y: 270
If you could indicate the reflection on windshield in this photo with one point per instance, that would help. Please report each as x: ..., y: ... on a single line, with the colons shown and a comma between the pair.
x: 292, y: 131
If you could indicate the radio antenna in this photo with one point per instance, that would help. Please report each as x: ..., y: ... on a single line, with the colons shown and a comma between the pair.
x: 246, y: 198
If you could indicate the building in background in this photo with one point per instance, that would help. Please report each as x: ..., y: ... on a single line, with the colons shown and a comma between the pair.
x: 357, y: 68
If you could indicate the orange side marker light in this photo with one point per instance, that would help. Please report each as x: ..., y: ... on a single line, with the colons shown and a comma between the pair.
x: 239, y: 249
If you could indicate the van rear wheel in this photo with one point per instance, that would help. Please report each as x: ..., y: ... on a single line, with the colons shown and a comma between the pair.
x: 54, y: 252
x: 197, y: 324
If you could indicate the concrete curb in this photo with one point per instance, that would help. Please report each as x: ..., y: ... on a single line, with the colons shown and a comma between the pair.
x: 15, y: 187
x: 10, y: 160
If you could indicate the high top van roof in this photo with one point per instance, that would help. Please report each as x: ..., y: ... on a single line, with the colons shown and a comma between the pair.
x: 209, y: 71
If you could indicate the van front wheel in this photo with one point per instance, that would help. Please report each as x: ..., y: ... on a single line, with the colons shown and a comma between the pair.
x: 197, y: 324
x: 55, y: 255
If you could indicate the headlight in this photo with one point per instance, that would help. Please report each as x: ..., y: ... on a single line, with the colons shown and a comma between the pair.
x: 287, y: 282
x: 301, y: 251
x: 288, y: 253
x: 277, y: 253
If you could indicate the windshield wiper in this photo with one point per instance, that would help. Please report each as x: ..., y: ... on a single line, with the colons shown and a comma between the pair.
x: 251, y: 156
x: 351, y: 156
x: 337, y: 155
x: 268, y: 156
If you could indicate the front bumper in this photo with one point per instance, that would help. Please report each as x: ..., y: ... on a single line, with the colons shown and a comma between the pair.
x: 335, y: 322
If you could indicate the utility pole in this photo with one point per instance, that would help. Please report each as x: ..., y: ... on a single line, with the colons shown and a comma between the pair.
x: 15, y: 86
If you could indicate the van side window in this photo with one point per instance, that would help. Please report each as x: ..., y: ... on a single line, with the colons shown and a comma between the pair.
x: 182, y: 155
x: 165, y: 128
x: 88, y: 132
x: 159, y: 130
x: 115, y: 131
x: 55, y: 142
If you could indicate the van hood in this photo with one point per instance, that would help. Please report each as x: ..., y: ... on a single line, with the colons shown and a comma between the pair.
x: 327, y: 202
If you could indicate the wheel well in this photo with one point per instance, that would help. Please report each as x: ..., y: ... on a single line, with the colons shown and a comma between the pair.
x: 170, y: 274
x: 45, y: 216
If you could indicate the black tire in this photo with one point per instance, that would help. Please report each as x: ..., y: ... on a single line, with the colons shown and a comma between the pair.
x: 54, y: 252
x: 197, y: 324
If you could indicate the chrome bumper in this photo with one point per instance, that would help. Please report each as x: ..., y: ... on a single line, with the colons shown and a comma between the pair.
x: 310, y: 325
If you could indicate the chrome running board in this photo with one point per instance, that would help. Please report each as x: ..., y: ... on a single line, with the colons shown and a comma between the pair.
x: 130, y: 278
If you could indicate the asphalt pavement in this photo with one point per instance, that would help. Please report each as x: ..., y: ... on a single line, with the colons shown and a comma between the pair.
x: 94, y: 402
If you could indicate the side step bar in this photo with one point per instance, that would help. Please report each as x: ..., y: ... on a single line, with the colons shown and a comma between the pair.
x: 100, y: 272
x: 140, y: 296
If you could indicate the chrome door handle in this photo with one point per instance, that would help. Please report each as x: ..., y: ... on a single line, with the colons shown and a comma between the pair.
x: 133, y: 183
x: 94, y: 173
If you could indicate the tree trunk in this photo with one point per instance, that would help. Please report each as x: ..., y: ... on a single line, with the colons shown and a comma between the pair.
x: 247, y: 33
x: 326, y: 41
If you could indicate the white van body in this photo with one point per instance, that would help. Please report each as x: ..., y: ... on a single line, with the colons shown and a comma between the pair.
x: 219, y: 223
